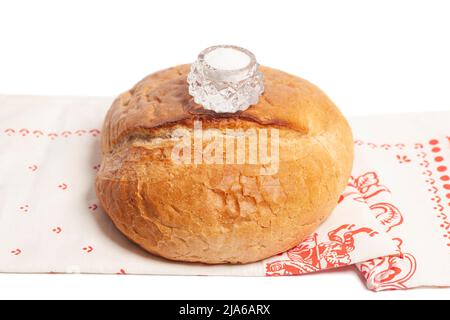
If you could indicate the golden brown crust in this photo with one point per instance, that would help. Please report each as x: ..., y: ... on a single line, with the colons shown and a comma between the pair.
x: 162, y: 99
x: 215, y: 213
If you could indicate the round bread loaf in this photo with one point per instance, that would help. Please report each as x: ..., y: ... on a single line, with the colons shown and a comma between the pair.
x: 221, y: 212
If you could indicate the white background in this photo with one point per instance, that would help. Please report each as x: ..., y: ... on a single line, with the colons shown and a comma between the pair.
x: 369, y: 56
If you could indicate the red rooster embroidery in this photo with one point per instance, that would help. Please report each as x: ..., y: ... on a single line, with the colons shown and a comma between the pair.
x: 310, y: 255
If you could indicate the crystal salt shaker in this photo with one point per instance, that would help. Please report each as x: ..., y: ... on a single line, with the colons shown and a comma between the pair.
x: 225, y: 79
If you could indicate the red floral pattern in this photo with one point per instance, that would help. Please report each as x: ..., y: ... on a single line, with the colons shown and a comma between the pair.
x: 391, y: 272
x: 311, y: 255
x: 51, y: 135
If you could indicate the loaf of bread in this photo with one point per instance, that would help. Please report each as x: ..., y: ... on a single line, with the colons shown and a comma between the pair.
x: 221, y: 212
